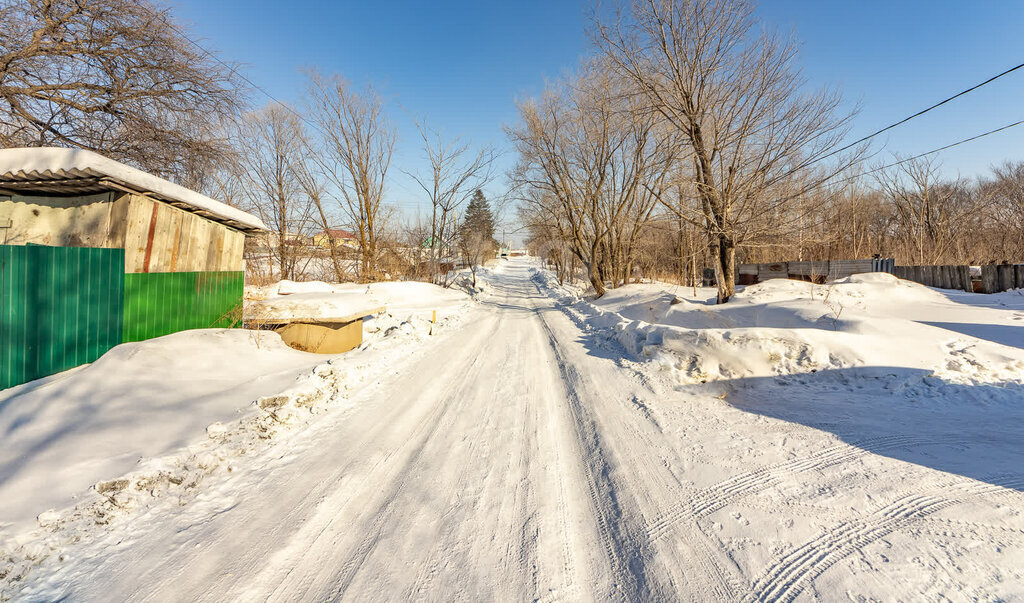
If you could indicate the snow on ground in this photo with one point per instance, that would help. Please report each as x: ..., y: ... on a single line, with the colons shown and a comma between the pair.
x: 402, y: 300
x: 150, y: 420
x: 873, y: 321
x: 915, y: 490
x: 65, y: 433
x: 802, y: 443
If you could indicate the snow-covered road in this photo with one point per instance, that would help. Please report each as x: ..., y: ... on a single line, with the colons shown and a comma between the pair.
x: 522, y: 458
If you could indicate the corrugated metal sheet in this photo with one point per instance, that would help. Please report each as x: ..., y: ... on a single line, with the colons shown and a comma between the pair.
x: 160, y: 303
x: 769, y: 271
x: 843, y: 268
x: 59, y: 307
x: 808, y: 269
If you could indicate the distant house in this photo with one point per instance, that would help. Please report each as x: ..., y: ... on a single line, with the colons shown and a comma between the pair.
x: 94, y: 253
x: 341, y: 238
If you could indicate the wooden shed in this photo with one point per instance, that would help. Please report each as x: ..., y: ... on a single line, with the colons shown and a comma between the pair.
x: 94, y: 253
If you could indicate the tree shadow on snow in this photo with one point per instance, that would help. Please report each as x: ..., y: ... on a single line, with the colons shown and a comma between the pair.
x: 1006, y: 335
x: 976, y: 431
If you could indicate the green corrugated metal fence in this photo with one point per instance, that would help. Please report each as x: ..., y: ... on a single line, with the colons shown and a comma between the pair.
x: 59, y: 307
x: 65, y: 306
x: 156, y: 304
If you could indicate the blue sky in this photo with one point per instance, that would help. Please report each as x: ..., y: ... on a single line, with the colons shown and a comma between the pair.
x: 461, y: 63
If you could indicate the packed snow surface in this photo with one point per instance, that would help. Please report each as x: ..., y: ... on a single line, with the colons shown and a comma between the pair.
x: 287, y: 299
x: 141, y: 400
x: 46, y: 163
x: 855, y: 441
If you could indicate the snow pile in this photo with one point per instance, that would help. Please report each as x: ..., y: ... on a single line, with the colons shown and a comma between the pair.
x: 316, y: 299
x: 177, y: 477
x: 874, y: 322
x: 146, y: 423
x: 64, y: 433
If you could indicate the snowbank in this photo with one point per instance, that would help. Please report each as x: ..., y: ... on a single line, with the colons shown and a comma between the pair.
x: 65, y: 433
x: 402, y: 300
x: 873, y: 322
x: 147, y: 423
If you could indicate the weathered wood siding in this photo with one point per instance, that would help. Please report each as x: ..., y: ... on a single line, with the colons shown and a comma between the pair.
x: 156, y: 237
x: 162, y: 238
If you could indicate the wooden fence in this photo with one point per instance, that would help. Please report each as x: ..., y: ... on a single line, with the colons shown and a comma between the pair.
x: 993, y: 278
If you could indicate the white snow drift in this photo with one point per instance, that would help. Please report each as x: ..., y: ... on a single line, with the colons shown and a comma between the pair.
x: 150, y: 419
x: 871, y: 321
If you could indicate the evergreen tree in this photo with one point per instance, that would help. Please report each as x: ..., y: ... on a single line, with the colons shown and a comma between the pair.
x: 476, y: 236
x: 478, y: 223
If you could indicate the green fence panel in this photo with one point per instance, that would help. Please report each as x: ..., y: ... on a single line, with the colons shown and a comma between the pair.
x: 160, y: 303
x: 59, y: 307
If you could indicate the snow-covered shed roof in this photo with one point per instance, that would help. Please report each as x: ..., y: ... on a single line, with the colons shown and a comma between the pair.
x: 63, y: 171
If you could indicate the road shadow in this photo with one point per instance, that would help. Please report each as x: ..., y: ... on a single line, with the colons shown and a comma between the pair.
x: 976, y: 431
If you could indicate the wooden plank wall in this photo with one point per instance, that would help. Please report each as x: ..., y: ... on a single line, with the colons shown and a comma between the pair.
x: 994, y: 277
x: 163, y: 238
x: 156, y: 237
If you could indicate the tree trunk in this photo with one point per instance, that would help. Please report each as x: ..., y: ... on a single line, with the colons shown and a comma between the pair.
x: 595, y: 278
x: 724, y: 254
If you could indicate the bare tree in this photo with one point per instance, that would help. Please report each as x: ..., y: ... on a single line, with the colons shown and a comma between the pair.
x: 1004, y: 195
x: 592, y: 165
x: 358, y: 141
x: 272, y: 143
x: 736, y: 97
x: 314, y: 185
x: 931, y: 213
x: 115, y: 76
x: 456, y: 172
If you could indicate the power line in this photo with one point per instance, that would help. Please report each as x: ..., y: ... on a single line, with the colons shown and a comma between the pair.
x: 235, y: 71
x: 932, y: 152
x: 906, y: 119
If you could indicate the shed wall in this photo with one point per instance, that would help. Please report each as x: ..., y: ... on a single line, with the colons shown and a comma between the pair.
x: 162, y: 303
x: 59, y: 307
x: 156, y: 237
x: 163, y: 238
x: 83, y: 221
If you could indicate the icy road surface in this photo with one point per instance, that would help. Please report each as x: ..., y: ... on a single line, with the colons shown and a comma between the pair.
x: 521, y: 458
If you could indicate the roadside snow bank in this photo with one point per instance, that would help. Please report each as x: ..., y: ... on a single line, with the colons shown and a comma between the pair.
x: 147, y: 423
x: 139, y: 400
x: 403, y: 300
x: 873, y: 322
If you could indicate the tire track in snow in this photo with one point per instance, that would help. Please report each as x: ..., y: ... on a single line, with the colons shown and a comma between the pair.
x: 717, y: 577
x: 791, y: 573
x: 624, y: 548
x: 716, y: 497
x: 318, y: 540
x: 449, y: 409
